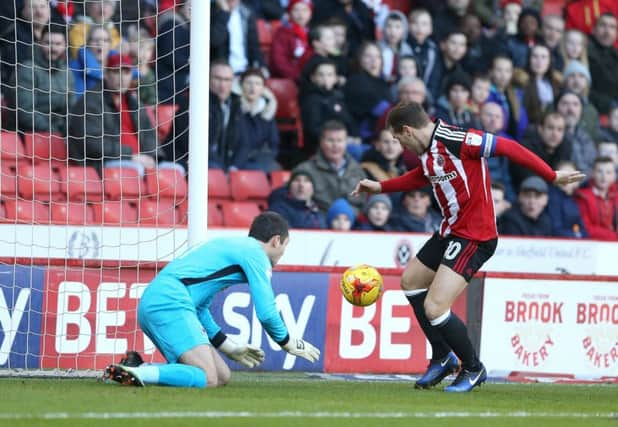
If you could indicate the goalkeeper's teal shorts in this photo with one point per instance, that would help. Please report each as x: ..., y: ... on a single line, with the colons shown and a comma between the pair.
x: 168, y: 317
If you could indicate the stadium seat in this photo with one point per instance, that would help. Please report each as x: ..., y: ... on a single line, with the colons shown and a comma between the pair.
x: 249, y: 185
x: 37, y: 182
x: 168, y: 183
x: 122, y: 183
x: 288, y: 111
x: 218, y: 185
x: 71, y: 213
x: 27, y: 211
x: 279, y: 178
x: 265, y: 37
x: 42, y: 146
x: 401, y: 5
x: 11, y: 148
x: 215, y: 216
x: 8, y: 182
x: 81, y: 183
x: 157, y: 212
x: 114, y: 212
x: 239, y: 214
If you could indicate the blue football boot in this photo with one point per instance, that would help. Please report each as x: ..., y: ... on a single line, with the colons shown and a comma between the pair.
x: 438, y: 370
x: 467, y: 380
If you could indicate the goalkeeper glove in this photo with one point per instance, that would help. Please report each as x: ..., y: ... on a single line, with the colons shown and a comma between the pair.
x: 302, y: 348
x: 245, y: 354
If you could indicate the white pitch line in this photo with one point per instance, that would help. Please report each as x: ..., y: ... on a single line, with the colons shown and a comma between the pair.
x: 285, y: 414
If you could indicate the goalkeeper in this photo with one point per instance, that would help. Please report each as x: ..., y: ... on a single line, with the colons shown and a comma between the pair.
x: 174, y: 310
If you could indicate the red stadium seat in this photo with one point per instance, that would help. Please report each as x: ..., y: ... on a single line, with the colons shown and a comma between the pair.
x: 249, y: 185
x: 279, y: 178
x: 239, y: 214
x: 43, y: 146
x: 27, y: 211
x: 71, y: 213
x: 114, y: 212
x: 288, y: 110
x: 37, y: 182
x: 122, y: 183
x: 8, y: 182
x: 401, y: 5
x: 218, y: 185
x: 11, y: 148
x: 81, y: 183
x: 168, y: 183
x: 265, y: 36
x: 215, y: 215
x: 157, y: 212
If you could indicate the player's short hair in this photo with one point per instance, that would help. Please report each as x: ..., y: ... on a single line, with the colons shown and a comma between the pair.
x: 407, y: 113
x: 269, y: 224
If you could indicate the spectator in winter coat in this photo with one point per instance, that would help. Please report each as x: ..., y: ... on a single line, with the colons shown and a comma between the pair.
x: 528, y: 217
x: 565, y: 216
x: 453, y: 48
x: 393, y: 44
x: 377, y: 212
x: 173, y: 38
x: 528, y: 35
x: 295, y: 203
x: 414, y: 212
x: 91, y: 60
x: 598, y: 203
x: 577, y: 79
x: 570, y: 105
x: 44, y: 86
x: 258, y: 106
x: 367, y: 94
x: 454, y: 107
x: 553, y: 32
x: 610, y: 133
x: 603, y: 59
x: 97, y: 13
x: 334, y: 172
x: 425, y: 50
x: 291, y: 42
x: 321, y: 101
x: 384, y: 160
x: 323, y: 45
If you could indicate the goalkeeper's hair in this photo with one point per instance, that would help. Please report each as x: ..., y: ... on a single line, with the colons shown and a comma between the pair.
x: 269, y: 224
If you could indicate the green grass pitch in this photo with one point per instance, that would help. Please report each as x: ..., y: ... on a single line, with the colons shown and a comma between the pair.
x: 294, y: 399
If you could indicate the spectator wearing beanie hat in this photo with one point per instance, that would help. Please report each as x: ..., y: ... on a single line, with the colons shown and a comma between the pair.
x: 577, y: 79
x: 340, y: 215
x: 378, y: 211
x: 290, y: 48
x: 295, y: 202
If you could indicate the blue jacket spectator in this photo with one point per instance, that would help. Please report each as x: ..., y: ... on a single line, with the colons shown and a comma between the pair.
x: 564, y: 213
x: 295, y: 203
x: 87, y: 70
x: 340, y: 215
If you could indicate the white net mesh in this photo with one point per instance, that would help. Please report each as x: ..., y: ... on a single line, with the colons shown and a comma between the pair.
x: 93, y: 193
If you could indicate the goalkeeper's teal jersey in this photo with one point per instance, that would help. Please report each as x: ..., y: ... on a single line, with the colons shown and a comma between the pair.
x: 205, y: 270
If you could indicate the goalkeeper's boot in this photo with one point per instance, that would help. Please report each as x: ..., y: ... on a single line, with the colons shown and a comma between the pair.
x: 125, y: 375
x: 438, y: 370
x: 131, y: 358
x: 467, y: 380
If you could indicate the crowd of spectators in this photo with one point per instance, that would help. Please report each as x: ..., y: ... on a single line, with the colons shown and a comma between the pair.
x: 93, y: 71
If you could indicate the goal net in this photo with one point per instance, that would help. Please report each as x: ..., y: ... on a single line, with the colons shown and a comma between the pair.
x: 93, y: 189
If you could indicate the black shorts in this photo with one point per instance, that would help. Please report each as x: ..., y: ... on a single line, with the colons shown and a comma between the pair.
x: 463, y: 256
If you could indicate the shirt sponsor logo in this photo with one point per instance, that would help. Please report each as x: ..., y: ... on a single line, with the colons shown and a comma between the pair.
x: 436, y: 179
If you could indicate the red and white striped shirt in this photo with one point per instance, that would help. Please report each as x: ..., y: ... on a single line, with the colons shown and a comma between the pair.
x: 455, y: 165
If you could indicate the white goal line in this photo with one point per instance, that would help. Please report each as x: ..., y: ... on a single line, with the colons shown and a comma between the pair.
x: 298, y: 414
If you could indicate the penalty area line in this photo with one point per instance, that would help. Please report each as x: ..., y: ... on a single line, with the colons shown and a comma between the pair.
x: 297, y: 414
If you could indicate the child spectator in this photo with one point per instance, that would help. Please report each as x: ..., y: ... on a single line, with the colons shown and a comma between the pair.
x: 507, y: 96
x: 598, y: 203
x: 393, y: 44
x: 425, y: 49
x: 454, y: 108
x: 528, y: 217
x: 323, y: 44
x: 453, y: 48
x: 415, y: 214
x: 562, y: 209
x: 378, y: 211
x: 141, y: 48
x: 295, y: 203
x: 91, y: 59
x: 291, y: 42
x: 258, y: 106
x: 322, y: 101
x: 383, y: 161
x: 479, y: 92
x: 573, y: 47
x: 97, y: 13
x: 340, y: 215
